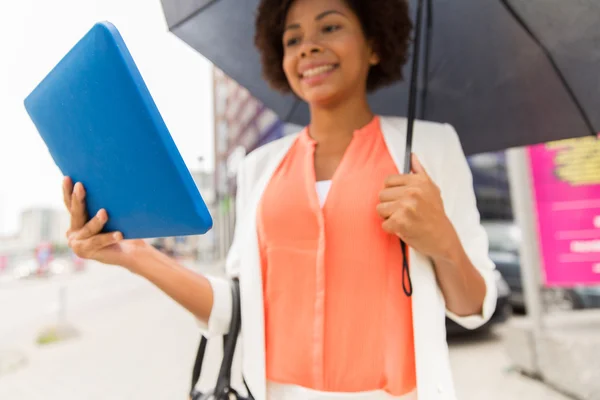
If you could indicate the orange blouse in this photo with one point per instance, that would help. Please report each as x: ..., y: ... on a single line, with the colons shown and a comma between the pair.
x: 336, y: 316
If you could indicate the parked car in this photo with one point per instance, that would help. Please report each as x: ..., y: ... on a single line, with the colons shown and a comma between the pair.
x: 502, y: 313
x: 505, y: 242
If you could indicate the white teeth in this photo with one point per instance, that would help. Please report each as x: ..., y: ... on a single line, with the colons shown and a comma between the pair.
x: 316, y: 71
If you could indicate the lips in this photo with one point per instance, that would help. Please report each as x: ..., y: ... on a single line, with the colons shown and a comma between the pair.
x: 318, y: 70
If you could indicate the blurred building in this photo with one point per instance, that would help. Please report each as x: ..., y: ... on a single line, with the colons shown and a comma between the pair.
x: 9, y: 244
x: 205, y: 181
x: 37, y: 226
x: 242, y: 123
x: 204, y: 246
x: 43, y: 225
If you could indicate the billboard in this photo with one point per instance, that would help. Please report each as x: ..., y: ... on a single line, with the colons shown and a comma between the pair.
x: 566, y: 185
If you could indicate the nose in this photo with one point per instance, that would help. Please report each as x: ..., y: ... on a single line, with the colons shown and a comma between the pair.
x: 310, y: 49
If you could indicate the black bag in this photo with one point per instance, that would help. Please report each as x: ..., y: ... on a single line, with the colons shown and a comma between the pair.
x: 223, y: 389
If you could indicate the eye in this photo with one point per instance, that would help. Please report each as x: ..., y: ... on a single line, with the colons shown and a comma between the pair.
x: 291, y: 42
x: 331, y: 28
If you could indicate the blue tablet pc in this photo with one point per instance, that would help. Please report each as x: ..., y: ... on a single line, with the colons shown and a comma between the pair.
x: 103, y: 129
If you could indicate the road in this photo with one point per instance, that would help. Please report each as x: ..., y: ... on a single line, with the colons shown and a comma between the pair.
x: 30, y: 302
x: 135, y: 343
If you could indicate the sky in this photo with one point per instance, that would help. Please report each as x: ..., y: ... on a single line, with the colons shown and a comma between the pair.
x: 36, y: 34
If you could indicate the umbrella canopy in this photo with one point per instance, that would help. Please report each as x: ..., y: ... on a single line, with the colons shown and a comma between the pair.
x: 504, y: 73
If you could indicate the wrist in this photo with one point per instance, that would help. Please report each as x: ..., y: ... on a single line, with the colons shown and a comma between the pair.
x: 450, y: 249
x: 139, y: 257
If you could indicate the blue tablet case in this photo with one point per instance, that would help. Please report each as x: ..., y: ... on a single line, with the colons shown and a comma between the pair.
x: 102, y: 128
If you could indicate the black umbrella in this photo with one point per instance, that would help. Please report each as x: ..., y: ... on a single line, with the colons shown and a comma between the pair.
x: 505, y: 73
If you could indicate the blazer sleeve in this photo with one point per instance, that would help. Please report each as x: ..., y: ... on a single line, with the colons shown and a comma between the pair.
x: 461, y: 207
x: 220, y: 316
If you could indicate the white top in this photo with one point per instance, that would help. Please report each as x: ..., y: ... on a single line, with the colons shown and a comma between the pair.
x: 323, y: 190
x: 276, y: 391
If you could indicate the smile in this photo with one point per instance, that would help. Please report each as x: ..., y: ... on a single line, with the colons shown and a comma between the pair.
x: 311, y: 73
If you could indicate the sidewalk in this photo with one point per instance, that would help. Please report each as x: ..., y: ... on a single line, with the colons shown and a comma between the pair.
x: 141, y: 349
x: 137, y: 344
x: 567, y: 350
x: 141, y: 346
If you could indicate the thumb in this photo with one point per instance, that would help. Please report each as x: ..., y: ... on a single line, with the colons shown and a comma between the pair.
x: 416, y: 166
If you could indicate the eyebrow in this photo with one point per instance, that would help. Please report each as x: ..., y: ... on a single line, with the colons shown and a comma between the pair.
x: 317, y: 18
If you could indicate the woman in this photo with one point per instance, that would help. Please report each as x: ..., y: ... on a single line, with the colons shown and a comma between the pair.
x: 327, y: 311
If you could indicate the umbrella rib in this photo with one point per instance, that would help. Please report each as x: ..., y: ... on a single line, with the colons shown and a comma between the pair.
x: 193, y: 14
x: 553, y: 63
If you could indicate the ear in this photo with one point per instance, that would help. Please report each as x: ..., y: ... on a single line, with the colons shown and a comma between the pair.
x: 374, y: 58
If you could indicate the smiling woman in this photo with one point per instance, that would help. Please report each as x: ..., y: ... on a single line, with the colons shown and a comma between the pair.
x: 320, y: 217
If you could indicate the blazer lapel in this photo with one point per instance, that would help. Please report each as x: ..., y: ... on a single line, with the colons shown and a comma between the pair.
x: 253, y: 330
x: 421, y: 272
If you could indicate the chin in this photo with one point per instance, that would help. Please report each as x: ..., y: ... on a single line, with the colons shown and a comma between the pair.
x: 322, y: 98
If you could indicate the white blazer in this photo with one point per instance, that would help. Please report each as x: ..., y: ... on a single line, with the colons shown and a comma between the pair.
x: 440, y: 152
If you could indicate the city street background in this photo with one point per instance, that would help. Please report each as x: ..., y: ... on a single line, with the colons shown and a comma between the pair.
x: 133, y: 342
x: 136, y: 343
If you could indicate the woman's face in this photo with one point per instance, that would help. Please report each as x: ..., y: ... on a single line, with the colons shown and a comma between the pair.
x: 326, y: 55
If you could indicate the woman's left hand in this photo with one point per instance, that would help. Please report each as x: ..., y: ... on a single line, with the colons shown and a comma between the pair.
x: 412, y: 208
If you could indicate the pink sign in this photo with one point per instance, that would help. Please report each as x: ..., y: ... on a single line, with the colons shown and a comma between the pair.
x: 566, y: 180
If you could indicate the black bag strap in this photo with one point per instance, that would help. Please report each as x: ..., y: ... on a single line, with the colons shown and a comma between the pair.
x: 198, y: 363
x: 229, y: 345
x: 230, y: 340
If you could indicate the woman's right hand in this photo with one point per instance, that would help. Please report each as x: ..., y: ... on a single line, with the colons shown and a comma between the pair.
x: 193, y: 291
x: 86, y: 238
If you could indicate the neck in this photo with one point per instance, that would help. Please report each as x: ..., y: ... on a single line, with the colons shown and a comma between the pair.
x: 337, y: 123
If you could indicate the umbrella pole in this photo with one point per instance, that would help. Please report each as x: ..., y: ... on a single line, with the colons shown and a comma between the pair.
x: 414, y: 80
x: 521, y: 194
x: 426, y: 57
x: 412, y: 110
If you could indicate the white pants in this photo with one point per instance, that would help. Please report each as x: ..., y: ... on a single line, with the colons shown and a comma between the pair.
x: 276, y: 391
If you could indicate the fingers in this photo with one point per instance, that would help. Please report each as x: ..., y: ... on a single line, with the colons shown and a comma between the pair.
x: 397, y: 180
x: 386, y: 209
x: 398, y: 209
x: 416, y: 165
x: 389, y: 226
x: 93, y: 226
x: 67, y: 187
x: 86, y: 248
x: 404, y: 180
x: 419, y: 175
x: 88, y: 240
x: 399, y: 222
x: 397, y: 192
x: 78, y: 209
